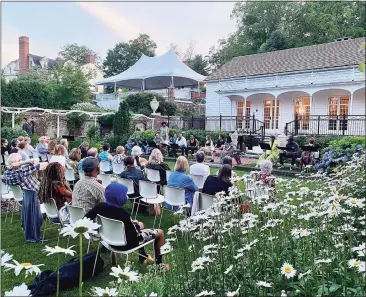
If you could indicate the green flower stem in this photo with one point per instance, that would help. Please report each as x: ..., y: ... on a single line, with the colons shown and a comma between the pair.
x: 58, y: 276
x: 81, y: 266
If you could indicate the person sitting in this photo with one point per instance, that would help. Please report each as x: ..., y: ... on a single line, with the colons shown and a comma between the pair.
x: 164, y: 132
x: 229, y: 150
x: 73, y: 162
x: 136, y: 152
x: 92, y: 152
x: 174, y: 139
x: 307, y: 157
x: 266, y: 178
x: 156, y: 162
x: 119, y: 157
x: 193, y: 145
x: 52, y: 148
x: 22, y: 150
x: 4, y: 150
x: 88, y: 192
x: 219, y: 144
x: 136, y: 234
x: 65, y: 143
x: 20, y: 138
x: 221, y: 182
x: 30, y: 149
x: 228, y: 160
x: 182, y: 143
x: 59, y: 155
x: 14, y: 146
x: 84, y: 147
x: 293, y: 151
x: 53, y: 185
x: 180, y: 179
x: 173, y: 145
x: 22, y: 175
x: 42, y: 148
x: 199, y: 168
x: 271, y: 155
x: 209, y: 147
x: 158, y: 141
x: 105, y: 156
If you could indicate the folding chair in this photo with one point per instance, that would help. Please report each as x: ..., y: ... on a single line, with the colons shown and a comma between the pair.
x: 153, y: 175
x: 18, y: 195
x: 52, y: 213
x: 105, y: 178
x: 104, y: 166
x: 130, y: 189
x: 112, y: 232
x: 70, y: 175
x: 168, y: 173
x: 174, y: 197
x: 199, y: 180
x: 249, y: 187
x: 8, y: 197
x: 118, y: 168
x: 205, y: 201
x: 76, y: 213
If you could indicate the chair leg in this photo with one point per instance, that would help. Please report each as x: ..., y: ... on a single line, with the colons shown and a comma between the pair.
x: 126, y: 259
x: 133, y: 206
x: 12, y: 213
x: 44, y: 229
x: 154, y: 219
x: 87, y: 251
x: 161, y: 215
x: 96, y: 258
x: 6, y: 216
x: 68, y: 241
x: 137, y: 210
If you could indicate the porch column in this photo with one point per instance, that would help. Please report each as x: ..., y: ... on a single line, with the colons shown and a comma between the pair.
x: 95, y: 121
x: 311, y: 104
x: 275, y: 114
x: 115, y: 87
x: 12, y: 120
x: 58, y: 126
x: 350, y: 104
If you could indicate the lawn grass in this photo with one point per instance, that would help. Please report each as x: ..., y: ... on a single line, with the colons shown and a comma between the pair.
x: 13, y: 242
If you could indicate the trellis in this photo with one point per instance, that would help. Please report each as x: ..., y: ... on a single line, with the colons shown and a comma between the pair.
x: 18, y: 110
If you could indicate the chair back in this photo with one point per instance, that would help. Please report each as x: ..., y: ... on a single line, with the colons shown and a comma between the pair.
x: 104, y: 166
x: 148, y: 189
x: 128, y: 183
x: 17, y: 193
x: 199, y: 180
x: 51, y: 209
x: 153, y: 175
x: 81, y: 175
x: 118, y: 168
x: 4, y: 188
x: 69, y: 174
x: 174, y: 196
x: 168, y: 172
x: 35, y: 155
x: 76, y: 213
x: 6, y: 159
x: 112, y: 231
x: 205, y: 201
x: 105, y: 178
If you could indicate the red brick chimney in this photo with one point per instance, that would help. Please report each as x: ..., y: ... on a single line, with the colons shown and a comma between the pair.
x: 91, y: 59
x: 24, y: 55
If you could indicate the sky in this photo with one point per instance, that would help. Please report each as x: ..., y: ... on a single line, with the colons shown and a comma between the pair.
x: 100, y: 25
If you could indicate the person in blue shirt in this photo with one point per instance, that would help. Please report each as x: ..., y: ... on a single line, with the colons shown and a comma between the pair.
x: 180, y: 179
x: 92, y: 152
x: 106, y: 156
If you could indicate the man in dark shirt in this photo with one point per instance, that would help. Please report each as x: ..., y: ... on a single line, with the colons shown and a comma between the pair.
x: 27, y: 126
x: 14, y: 146
x: 292, y: 151
x: 4, y: 150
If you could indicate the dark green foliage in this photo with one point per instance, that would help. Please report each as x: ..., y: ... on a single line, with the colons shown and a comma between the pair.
x: 10, y: 133
x: 200, y: 64
x: 122, y: 120
x: 78, y: 54
x: 93, y: 132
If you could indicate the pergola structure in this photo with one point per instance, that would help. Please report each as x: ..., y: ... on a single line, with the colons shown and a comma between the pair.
x: 18, y: 110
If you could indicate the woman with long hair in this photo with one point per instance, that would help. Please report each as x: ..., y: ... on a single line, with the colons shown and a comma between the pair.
x: 209, y: 147
x: 139, y: 162
x: 219, y: 183
x: 73, y: 161
x: 59, y: 155
x: 156, y: 161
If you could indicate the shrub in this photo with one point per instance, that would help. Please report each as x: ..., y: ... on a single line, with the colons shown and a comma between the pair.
x: 122, y: 120
x: 10, y: 133
x: 93, y: 132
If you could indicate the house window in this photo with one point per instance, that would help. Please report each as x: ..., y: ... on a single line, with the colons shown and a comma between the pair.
x: 338, y: 107
x: 243, y: 120
x: 270, y: 122
x: 302, y: 109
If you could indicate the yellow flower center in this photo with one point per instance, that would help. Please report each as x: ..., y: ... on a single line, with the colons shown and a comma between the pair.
x: 124, y: 276
x: 287, y: 269
x: 81, y: 229
x: 357, y: 263
x: 26, y: 264
x: 299, y: 230
x: 105, y: 295
x: 353, y: 201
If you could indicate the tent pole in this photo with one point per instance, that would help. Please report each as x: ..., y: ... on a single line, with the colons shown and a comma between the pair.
x: 12, y: 120
x: 143, y: 85
x: 58, y: 126
x: 115, y: 87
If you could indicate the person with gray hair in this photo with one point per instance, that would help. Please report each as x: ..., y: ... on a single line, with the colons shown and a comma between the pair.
x: 266, y: 178
x: 42, y: 148
x: 199, y: 168
x: 92, y: 152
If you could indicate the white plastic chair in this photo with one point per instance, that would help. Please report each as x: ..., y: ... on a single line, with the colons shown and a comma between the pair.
x: 6, y: 160
x: 105, y: 178
x: 153, y: 175
x: 7, y: 195
x: 205, y: 201
x: 76, y: 213
x: 168, y: 173
x: 199, y: 180
x: 118, y: 167
x: 70, y: 175
x: 52, y: 213
x: 104, y: 166
x: 112, y: 232
x: 128, y: 183
x: 174, y: 197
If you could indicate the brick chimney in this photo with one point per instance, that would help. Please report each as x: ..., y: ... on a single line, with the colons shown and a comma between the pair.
x: 24, y: 55
x: 91, y: 59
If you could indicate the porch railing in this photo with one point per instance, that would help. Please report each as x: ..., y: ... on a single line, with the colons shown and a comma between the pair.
x: 347, y: 125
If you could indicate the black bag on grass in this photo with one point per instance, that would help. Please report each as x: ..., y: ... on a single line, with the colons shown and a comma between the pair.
x: 45, y: 283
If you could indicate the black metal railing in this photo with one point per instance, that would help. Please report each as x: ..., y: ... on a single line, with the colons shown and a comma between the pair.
x: 347, y: 125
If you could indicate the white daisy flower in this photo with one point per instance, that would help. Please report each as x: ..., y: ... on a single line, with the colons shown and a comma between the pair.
x: 166, y: 248
x: 205, y: 293
x: 288, y: 270
x: 299, y: 232
x: 83, y: 226
x: 107, y: 292
x: 29, y: 268
x: 353, y: 202
x: 283, y: 293
x: 301, y: 275
x: 5, y: 257
x: 233, y: 294
x: 152, y: 294
x: 125, y: 274
x: 355, y: 263
x: 229, y: 269
x: 323, y: 261
x: 263, y: 284
x: 18, y: 291
x: 361, y: 249
x: 59, y: 250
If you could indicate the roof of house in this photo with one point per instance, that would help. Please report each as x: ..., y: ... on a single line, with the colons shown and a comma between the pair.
x: 37, y: 61
x: 320, y: 56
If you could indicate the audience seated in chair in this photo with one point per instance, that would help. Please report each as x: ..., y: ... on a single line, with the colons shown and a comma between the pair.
x: 139, y: 162
x: 293, y: 152
x: 266, y: 178
x: 182, y: 143
x: 92, y: 152
x: 192, y: 145
x: 59, y: 155
x: 156, y: 162
x: 271, y: 155
x: 73, y: 162
x: 307, y: 157
x: 221, y: 182
x: 199, y: 168
x: 228, y: 160
x: 208, y: 148
x: 106, y: 156
x: 229, y: 150
x: 84, y: 147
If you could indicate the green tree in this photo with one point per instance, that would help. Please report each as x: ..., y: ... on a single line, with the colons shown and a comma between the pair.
x: 78, y: 54
x: 124, y: 54
x: 139, y: 103
x: 200, y: 65
x: 122, y: 120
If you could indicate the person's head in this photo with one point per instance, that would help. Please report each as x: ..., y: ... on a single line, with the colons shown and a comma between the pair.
x: 291, y: 139
x: 180, y: 135
x: 136, y: 151
x: 191, y: 137
x: 120, y: 150
x: 75, y: 154
x: 21, y: 138
x: 181, y: 164
x: 163, y: 124
x: 228, y: 139
x: 200, y: 157
x: 208, y: 137
x: 25, y: 120
x: 28, y: 140
x: 220, y: 137
x: 14, y: 158
x: 273, y: 137
x: 266, y: 166
x: 64, y: 142
x: 23, y: 146
x: 227, y: 160
x: 115, y: 195
x: 225, y: 173
x: 14, y: 143
x: 46, y: 139
x: 157, y: 135
x: 60, y: 150
x: 42, y: 140
x: 85, y: 145
x: 175, y: 136
x: 4, y: 142
x: 106, y: 147
x: 92, y: 152
x: 91, y: 166
x: 54, y: 173
x: 311, y: 140
x: 156, y: 156
x: 129, y: 162
x: 52, y: 147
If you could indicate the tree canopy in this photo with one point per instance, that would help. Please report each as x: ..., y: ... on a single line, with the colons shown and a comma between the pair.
x: 124, y: 54
x: 78, y: 54
x: 199, y: 64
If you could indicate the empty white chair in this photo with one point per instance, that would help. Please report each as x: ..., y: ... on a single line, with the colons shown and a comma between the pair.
x: 205, y: 201
x: 112, y: 233
x: 17, y: 193
x: 199, y: 180
x: 70, y: 175
x: 174, y: 197
x: 6, y: 160
x: 105, y: 178
x: 7, y: 196
x: 52, y: 213
x: 104, y: 166
x: 118, y: 168
x: 128, y: 183
x: 153, y: 175
x: 76, y: 213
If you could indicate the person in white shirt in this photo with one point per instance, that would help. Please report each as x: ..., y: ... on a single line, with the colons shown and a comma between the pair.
x: 199, y: 168
x: 59, y: 156
x: 65, y: 143
x: 182, y: 143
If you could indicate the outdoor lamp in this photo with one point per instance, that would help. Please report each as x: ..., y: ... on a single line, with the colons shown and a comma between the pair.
x: 154, y: 104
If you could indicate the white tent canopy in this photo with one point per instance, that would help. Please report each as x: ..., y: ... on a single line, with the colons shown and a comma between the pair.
x: 152, y: 73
